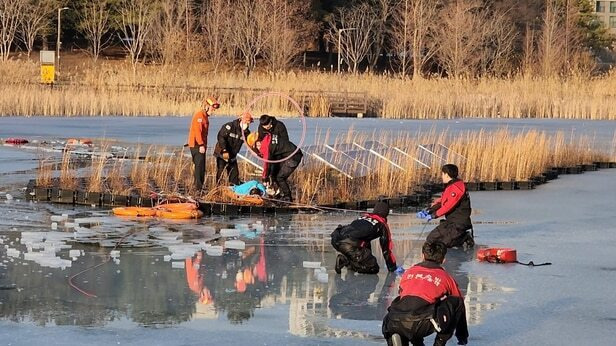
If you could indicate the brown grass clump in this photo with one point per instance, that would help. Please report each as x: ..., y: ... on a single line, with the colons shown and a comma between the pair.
x: 44, y: 172
x: 68, y: 176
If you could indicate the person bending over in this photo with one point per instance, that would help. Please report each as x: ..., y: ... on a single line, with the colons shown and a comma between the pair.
x: 353, y: 242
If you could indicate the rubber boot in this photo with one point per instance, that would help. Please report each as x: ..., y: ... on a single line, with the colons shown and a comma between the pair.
x: 468, y: 242
x: 341, y: 262
x: 396, y: 340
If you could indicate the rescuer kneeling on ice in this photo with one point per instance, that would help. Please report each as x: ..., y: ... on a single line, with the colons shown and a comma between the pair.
x: 455, y: 205
x: 353, y: 242
x: 429, y: 301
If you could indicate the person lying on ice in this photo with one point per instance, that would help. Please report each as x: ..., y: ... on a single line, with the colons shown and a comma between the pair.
x: 455, y: 205
x: 353, y: 242
x: 429, y: 301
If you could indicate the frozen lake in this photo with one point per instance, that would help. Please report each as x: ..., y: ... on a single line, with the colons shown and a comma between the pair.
x: 173, y: 130
x: 259, y: 291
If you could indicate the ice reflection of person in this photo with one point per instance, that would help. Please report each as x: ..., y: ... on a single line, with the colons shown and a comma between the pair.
x: 352, y: 295
x: 195, y: 279
x: 429, y: 301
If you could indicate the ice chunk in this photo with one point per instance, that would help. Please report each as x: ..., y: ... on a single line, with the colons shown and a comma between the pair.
x: 322, y: 277
x: 54, y: 225
x: 229, y: 232
x: 9, y: 197
x: 214, y: 250
x: 177, y: 264
x: 56, y: 218
x: 311, y: 265
x: 69, y: 225
x: 74, y: 253
x: 114, y: 253
x: 12, y: 252
x: 235, y: 244
x: 167, y: 258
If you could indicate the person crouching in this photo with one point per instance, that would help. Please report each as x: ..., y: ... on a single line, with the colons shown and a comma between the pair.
x: 429, y: 301
x: 353, y: 242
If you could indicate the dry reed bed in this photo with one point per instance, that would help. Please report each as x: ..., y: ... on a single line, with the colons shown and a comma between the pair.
x: 436, y: 98
x: 489, y: 156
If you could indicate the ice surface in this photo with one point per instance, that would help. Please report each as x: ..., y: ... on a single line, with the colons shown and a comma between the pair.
x: 311, y: 265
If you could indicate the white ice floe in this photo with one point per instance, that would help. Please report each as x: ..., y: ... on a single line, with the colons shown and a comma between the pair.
x: 229, y: 232
x: 214, y: 250
x: 235, y: 244
x: 177, y: 264
x: 311, y: 265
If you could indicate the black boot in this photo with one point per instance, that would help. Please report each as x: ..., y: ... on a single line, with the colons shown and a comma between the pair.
x: 468, y: 242
x: 341, y: 262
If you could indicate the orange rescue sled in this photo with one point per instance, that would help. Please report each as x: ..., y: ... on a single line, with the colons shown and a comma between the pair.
x: 134, y: 211
x: 497, y: 255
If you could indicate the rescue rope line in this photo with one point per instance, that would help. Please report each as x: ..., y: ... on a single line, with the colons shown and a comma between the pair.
x: 84, y: 292
x: 495, y: 259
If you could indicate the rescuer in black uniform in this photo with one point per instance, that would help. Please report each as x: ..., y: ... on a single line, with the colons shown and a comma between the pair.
x: 230, y: 140
x: 353, y: 242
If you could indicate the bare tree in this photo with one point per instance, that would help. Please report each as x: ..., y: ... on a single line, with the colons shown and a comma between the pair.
x: 94, y: 24
x: 170, y: 31
x: 414, y: 25
x: 135, y: 23
x: 216, y: 30
x: 528, y: 53
x: 382, y: 30
x: 248, y: 35
x: 11, y: 12
x: 34, y: 22
x: 286, y: 31
x: 551, y: 45
x: 355, y: 27
x: 499, y: 47
x: 460, y: 36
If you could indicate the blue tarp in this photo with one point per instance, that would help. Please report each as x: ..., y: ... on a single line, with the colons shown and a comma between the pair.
x: 245, y: 188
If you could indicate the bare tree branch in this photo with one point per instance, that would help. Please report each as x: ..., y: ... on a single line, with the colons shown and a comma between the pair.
x: 136, y: 17
x: 94, y: 24
x: 11, y: 12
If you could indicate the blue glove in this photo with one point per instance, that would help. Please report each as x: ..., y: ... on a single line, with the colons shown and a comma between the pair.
x: 399, y: 270
x: 424, y: 215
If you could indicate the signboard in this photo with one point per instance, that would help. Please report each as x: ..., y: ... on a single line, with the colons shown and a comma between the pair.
x: 48, y: 67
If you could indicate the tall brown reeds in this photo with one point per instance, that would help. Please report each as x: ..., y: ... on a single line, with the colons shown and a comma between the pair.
x: 403, y: 162
x: 112, y: 89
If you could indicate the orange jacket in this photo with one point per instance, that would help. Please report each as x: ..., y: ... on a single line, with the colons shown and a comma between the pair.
x: 197, y: 135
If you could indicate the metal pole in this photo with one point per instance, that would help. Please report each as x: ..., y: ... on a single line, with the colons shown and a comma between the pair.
x: 339, y: 34
x: 58, y: 38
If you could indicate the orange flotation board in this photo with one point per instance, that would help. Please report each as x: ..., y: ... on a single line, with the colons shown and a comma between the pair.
x: 497, y: 255
x: 176, y: 206
x: 179, y: 214
x: 134, y: 211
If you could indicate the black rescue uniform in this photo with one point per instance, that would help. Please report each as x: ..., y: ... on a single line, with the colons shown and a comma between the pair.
x: 230, y: 141
x: 281, y: 147
x: 353, y: 242
x: 455, y: 205
x: 429, y: 301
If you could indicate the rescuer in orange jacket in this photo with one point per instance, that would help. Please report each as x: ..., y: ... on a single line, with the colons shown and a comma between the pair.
x: 455, y: 206
x: 197, y: 138
x: 429, y: 301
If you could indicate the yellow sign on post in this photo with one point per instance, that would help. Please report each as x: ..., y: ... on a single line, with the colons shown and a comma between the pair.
x: 48, y: 67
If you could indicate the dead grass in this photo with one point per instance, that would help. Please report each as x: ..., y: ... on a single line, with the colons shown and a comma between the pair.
x: 110, y: 88
x: 488, y: 156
